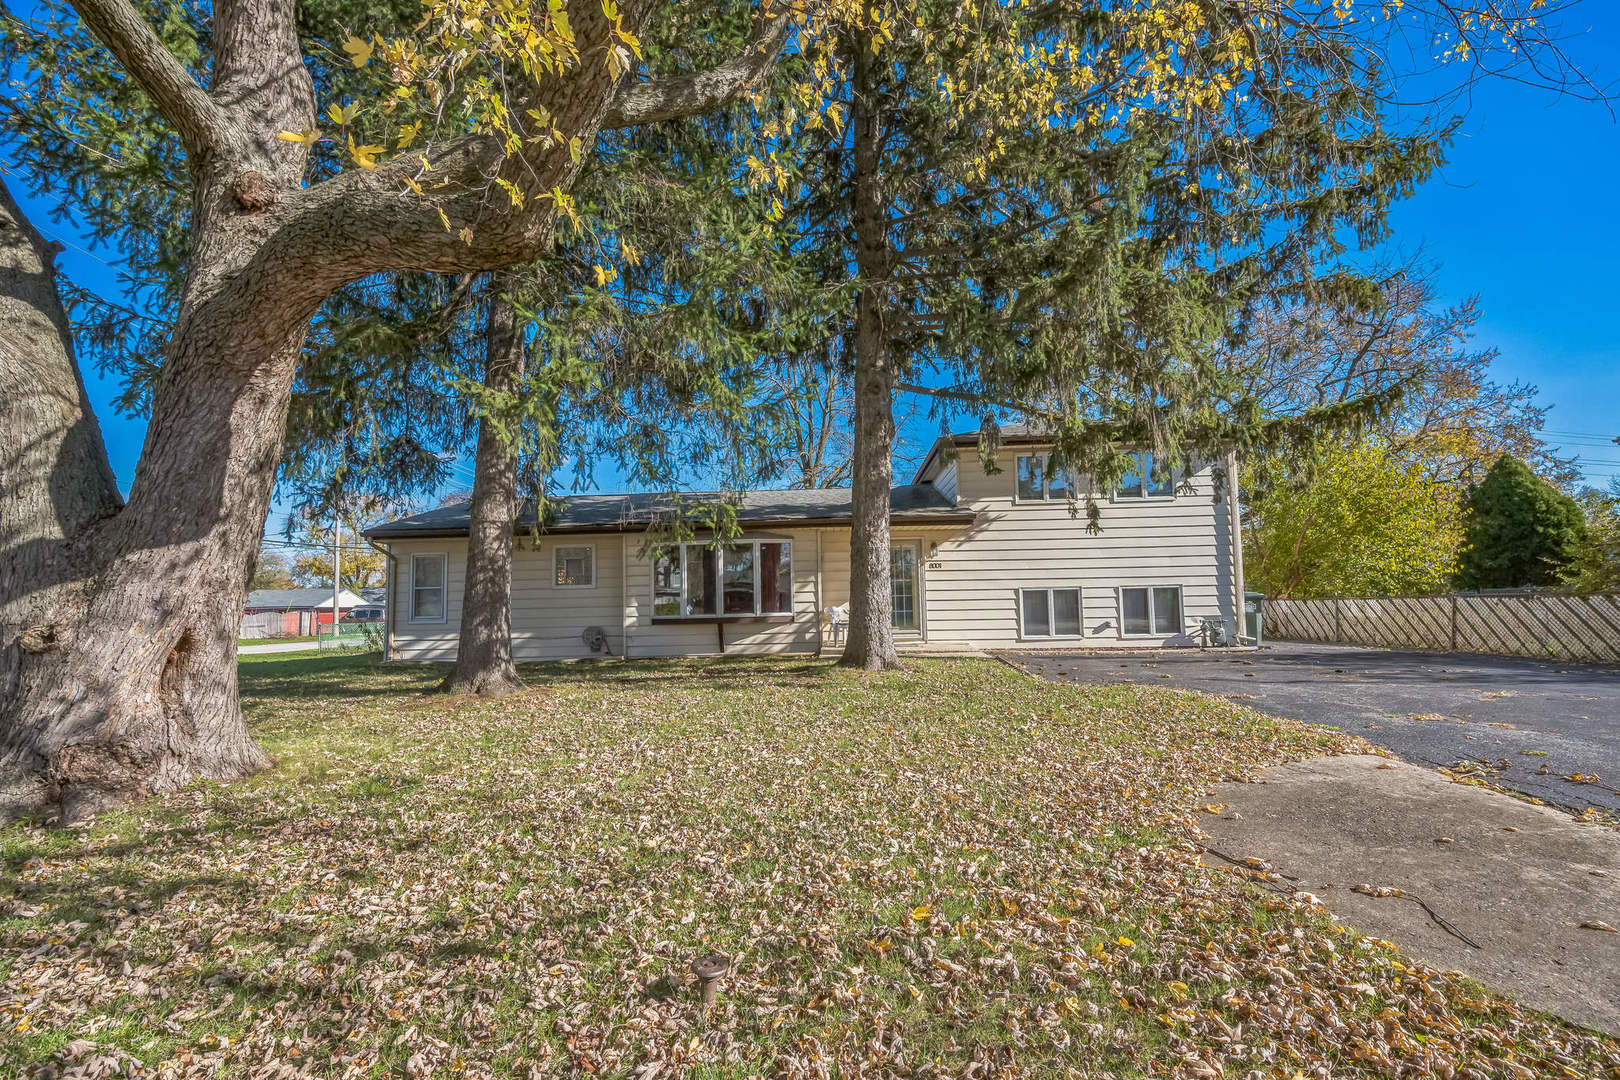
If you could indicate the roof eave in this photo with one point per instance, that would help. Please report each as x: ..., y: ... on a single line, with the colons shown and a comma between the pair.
x: 910, y: 517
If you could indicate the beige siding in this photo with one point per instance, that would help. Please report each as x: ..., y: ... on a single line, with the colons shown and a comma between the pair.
x: 547, y: 621
x: 970, y: 588
x: 972, y: 583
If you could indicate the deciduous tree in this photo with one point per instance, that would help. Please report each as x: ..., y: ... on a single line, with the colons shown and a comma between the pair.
x: 1362, y: 521
x: 136, y: 604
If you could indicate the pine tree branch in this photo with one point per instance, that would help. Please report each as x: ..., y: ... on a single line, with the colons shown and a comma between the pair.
x: 203, y: 125
x: 686, y: 95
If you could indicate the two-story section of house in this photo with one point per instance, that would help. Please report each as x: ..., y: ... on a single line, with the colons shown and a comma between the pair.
x: 982, y: 558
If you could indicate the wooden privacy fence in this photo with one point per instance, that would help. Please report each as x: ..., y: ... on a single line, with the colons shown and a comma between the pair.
x: 1542, y: 625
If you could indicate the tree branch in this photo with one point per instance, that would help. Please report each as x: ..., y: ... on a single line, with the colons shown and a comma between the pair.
x: 685, y: 95
x: 202, y: 124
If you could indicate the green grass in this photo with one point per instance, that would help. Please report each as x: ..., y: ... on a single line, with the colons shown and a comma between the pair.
x: 276, y: 640
x: 920, y: 873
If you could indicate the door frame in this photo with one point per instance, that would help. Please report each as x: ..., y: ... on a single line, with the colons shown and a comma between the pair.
x: 920, y: 582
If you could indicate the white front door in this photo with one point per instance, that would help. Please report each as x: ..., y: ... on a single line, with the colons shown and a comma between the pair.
x: 905, y: 572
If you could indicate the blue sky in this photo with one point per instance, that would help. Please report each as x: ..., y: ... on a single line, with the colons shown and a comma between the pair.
x: 1524, y: 215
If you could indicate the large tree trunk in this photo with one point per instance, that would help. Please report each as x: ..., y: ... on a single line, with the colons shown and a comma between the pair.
x: 120, y: 625
x: 871, y: 600
x: 484, y: 657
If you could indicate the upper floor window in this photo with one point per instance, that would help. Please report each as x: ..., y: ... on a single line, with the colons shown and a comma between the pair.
x: 575, y: 567
x: 1038, y: 479
x: 1146, y: 480
x: 753, y: 577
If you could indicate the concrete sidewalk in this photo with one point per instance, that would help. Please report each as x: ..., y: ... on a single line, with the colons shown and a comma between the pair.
x: 293, y: 646
x: 1527, y: 884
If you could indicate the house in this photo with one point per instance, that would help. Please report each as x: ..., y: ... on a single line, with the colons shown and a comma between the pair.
x: 981, y: 560
x: 293, y: 612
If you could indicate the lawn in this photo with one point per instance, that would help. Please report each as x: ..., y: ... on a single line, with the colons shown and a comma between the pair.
x: 950, y: 871
x: 276, y: 640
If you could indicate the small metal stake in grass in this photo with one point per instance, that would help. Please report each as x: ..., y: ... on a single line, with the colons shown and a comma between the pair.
x: 709, y: 970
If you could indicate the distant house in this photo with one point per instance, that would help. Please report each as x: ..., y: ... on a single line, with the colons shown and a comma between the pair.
x: 300, y: 611
x: 980, y: 559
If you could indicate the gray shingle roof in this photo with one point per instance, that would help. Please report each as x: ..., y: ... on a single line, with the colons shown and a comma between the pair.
x: 915, y: 503
x: 289, y: 599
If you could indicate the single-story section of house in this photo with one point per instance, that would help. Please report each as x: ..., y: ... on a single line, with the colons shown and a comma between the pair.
x: 296, y: 612
x: 982, y: 559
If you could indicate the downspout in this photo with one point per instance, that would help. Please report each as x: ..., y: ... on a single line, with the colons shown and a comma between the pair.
x: 388, y: 608
x: 820, y: 631
x: 1236, y: 528
x: 624, y: 596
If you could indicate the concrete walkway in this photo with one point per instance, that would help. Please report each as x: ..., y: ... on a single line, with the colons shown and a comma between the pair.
x: 292, y: 646
x: 1526, y: 884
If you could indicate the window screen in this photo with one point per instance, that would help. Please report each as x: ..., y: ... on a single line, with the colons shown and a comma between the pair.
x: 427, y: 586
x: 739, y: 580
x: 576, y: 567
x: 1066, y: 612
x: 702, y: 589
x: 667, y: 582
x: 1133, y: 614
x: 1167, y: 610
x: 776, y: 577
x: 1037, y: 618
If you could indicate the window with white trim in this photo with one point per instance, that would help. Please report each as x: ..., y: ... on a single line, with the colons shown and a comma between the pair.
x: 742, y: 579
x: 574, y: 566
x: 1039, y: 480
x: 1146, y: 480
x: 1044, y: 613
x: 1149, y: 610
x: 428, y: 575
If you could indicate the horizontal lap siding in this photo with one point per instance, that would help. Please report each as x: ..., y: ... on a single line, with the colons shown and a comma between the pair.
x: 425, y: 640
x: 547, y: 622
x: 972, y: 584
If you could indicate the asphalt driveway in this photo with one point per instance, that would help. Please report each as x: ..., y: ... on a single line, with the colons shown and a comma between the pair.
x: 1526, y: 724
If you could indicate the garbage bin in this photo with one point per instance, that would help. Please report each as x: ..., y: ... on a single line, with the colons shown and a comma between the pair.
x: 1254, y: 608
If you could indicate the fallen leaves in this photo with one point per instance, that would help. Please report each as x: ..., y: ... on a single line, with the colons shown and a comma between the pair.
x: 951, y: 871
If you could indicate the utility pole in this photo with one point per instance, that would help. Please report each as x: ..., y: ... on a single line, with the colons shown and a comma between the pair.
x: 337, y: 565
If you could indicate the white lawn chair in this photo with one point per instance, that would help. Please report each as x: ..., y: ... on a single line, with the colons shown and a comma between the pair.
x: 837, y: 620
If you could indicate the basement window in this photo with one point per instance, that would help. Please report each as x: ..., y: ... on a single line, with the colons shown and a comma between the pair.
x: 1045, y: 613
x: 1150, y: 610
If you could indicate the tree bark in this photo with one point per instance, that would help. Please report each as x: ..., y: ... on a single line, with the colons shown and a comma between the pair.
x: 120, y: 624
x: 870, y: 644
x: 484, y: 656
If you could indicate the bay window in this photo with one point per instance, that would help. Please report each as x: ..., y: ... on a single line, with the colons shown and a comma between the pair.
x: 743, y: 579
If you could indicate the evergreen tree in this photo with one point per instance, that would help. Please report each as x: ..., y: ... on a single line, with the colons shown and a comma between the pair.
x: 1064, y: 214
x: 1521, y: 530
x: 293, y: 197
